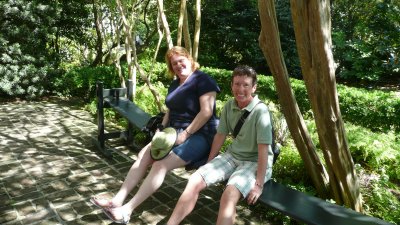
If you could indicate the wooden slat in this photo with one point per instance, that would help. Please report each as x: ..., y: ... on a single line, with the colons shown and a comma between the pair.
x: 311, y: 210
x: 129, y: 110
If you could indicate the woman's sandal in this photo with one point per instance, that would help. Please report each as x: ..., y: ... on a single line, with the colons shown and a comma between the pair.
x: 102, y: 203
x: 123, y: 220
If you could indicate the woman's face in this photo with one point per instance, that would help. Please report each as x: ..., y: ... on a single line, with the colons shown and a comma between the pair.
x: 181, y: 65
x: 242, y: 90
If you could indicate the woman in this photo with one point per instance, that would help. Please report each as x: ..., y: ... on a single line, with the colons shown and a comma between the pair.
x: 191, y: 111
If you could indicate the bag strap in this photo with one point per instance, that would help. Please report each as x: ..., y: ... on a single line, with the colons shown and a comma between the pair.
x: 241, y: 121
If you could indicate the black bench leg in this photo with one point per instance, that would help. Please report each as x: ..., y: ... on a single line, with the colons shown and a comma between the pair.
x: 129, y: 90
x: 100, y: 120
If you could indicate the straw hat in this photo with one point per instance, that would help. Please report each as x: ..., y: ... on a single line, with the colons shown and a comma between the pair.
x: 162, y: 143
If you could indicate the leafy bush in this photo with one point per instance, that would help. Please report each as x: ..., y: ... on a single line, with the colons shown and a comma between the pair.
x: 81, y: 81
x: 376, y: 110
x: 375, y: 151
x: 380, y: 196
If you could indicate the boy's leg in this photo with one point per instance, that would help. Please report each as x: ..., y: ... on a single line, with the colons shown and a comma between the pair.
x: 188, y: 199
x: 227, y: 207
x: 217, y: 170
x: 239, y: 185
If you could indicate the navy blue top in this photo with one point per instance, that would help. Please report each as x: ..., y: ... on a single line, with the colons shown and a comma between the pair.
x: 184, y: 104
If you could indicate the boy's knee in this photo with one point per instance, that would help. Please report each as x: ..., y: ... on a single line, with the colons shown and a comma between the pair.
x: 231, y: 192
x: 196, y: 182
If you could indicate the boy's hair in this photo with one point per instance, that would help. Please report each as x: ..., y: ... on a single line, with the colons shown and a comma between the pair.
x: 178, y: 50
x: 247, y: 71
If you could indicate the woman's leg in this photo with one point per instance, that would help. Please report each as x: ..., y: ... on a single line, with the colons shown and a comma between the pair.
x: 134, y: 176
x: 227, y: 206
x: 151, y: 183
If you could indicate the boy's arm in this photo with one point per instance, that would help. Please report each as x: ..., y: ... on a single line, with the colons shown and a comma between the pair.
x: 260, y: 175
x: 217, y: 143
x: 261, y: 164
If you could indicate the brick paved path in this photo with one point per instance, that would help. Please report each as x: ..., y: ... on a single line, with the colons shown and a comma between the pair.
x: 49, y: 169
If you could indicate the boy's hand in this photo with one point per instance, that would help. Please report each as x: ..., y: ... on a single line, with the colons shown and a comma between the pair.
x: 254, y: 194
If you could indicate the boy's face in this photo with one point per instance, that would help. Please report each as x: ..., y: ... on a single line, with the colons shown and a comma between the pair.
x: 242, y: 90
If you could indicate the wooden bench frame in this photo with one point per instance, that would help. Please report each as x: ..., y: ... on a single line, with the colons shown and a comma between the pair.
x: 120, y: 100
x: 311, y: 210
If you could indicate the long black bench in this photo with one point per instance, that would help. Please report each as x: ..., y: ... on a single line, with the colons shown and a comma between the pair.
x: 118, y: 99
x: 311, y: 210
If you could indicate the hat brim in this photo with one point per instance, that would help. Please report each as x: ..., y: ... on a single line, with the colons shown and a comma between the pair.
x: 159, y: 154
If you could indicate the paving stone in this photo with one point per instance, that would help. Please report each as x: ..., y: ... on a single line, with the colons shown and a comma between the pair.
x: 49, y: 169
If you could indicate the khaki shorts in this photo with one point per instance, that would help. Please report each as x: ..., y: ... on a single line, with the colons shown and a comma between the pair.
x: 241, y: 174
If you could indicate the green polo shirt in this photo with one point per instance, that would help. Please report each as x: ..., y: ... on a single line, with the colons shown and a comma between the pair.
x: 255, y: 130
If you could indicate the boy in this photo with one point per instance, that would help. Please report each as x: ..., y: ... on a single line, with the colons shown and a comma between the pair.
x: 247, y: 162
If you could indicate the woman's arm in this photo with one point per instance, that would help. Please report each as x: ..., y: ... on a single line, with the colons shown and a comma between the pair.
x: 165, y: 118
x: 207, y: 102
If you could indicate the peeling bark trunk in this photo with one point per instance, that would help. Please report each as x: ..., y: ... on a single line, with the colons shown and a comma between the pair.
x: 270, y: 45
x: 164, y: 23
x: 313, y: 37
x: 186, y: 34
x: 196, y: 38
x: 99, y: 41
x: 180, y: 23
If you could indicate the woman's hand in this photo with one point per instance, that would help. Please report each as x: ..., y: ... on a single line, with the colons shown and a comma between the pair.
x: 182, y: 136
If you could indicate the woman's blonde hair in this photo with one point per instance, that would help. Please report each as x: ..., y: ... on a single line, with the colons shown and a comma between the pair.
x: 181, y: 51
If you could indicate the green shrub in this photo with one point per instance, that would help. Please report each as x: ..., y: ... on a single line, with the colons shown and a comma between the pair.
x: 375, y: 151
x: 81, y: 81
x: 379, y: 196
x: 376, y: 110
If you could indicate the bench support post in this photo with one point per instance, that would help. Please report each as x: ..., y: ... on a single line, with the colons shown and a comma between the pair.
x: 101, y: 138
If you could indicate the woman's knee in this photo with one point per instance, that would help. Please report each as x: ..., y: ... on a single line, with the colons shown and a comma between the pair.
x: 144, y: 157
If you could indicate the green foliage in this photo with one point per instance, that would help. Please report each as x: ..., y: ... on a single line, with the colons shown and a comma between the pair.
x: 229, y: 35
x: 375, y: 151
x: 29, y: 48
x: 380, y: 196
x: 290, y: 168
x: 366, y: 39
x: 25, y: 64
x: 145, y: 99
x: 376, y: 110
x: 81, y: 81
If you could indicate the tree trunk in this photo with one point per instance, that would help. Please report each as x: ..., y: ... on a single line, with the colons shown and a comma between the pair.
x: 270, y: 45
x: 313, y: 37
x: 164, y: 23
x: 180, y: 23
x: 117, y: 59
x: 186, y: 33
x: 196, y: 37
x: 151, y: 87
x: 99, y: 41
